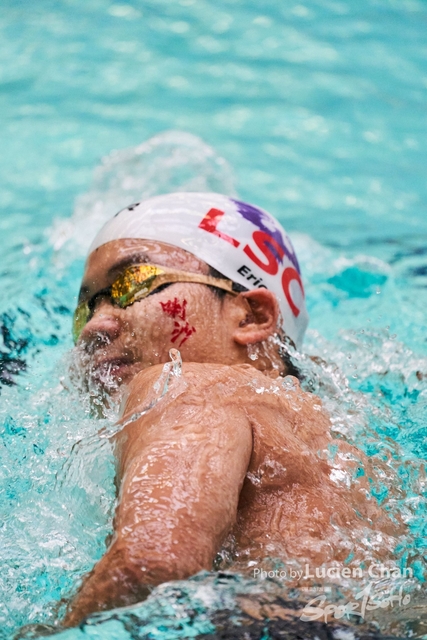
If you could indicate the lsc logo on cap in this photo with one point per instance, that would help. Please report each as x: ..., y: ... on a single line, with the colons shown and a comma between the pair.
x: 269, y: 243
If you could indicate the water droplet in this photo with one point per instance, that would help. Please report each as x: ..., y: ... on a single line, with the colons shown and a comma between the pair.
x: 289, y: 383
x: 176, y: 359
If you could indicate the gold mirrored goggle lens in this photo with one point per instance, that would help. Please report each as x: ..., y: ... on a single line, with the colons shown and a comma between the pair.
x: 80, y: 319
x: 137, y: 282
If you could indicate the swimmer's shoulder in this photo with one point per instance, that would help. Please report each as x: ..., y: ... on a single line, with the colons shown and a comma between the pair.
x: 278, y: 406
x: 202, y: 376
x: 204, y: 379
x: 197, y: 377
x: 241, y: 383
x: 275, y: 406
x: 202, y: 373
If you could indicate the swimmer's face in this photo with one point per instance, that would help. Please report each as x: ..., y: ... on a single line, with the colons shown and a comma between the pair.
x: 116, y: 343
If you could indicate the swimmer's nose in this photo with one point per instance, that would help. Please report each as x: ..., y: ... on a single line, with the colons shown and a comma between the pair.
x: 104, y: 326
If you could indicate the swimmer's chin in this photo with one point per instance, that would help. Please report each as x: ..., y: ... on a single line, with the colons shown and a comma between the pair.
x: 116, y: 369
x: 110, y: 374
x: 104, y: 395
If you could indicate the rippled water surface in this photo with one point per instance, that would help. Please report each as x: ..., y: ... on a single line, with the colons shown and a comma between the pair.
x: 314, y: 110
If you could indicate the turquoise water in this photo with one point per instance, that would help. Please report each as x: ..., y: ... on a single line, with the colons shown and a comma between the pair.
x: 314, y: 110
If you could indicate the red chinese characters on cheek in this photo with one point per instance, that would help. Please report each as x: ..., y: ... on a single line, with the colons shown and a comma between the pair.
x: 181, y: 327
x: 182, y: 331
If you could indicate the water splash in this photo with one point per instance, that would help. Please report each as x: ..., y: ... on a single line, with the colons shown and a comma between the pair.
x: 170, y: 161
x: 170, y: 382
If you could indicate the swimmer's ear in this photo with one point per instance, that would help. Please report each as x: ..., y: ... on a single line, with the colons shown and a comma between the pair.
x: 259, y: 316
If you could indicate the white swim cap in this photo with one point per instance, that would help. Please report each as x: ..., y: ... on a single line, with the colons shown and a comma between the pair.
x: 243, y: 242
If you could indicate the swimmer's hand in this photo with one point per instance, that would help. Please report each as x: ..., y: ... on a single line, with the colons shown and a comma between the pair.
x: 182, y: 467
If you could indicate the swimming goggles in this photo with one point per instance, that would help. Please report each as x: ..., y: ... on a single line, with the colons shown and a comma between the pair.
x: 136, y: 283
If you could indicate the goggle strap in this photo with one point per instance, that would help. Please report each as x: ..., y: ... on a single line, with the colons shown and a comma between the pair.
x: 170, y: 278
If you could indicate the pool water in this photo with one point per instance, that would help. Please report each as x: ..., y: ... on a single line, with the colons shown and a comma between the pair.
x: 314, y: 110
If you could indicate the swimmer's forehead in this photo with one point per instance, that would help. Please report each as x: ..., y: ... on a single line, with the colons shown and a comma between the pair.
x: 108, y: 261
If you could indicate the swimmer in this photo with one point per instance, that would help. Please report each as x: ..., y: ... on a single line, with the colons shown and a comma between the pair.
x: 238, y: 457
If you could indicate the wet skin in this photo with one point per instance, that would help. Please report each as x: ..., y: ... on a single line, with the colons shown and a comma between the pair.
x: 235, y: 454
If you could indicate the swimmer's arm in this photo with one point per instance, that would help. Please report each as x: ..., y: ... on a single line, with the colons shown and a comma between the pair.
x: 183, y: 468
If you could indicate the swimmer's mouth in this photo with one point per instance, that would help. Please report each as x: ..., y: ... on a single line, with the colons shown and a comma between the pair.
x: 110, y: 368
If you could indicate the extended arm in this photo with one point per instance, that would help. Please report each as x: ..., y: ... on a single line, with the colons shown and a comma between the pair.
x: 182, y: 468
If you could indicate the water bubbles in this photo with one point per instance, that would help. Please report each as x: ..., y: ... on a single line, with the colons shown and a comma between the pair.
x: 253, y: 352
x: 255, y: 479
x: 290, y: 383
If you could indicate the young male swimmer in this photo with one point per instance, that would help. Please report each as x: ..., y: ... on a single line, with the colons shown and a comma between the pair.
x: 239, y: 453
